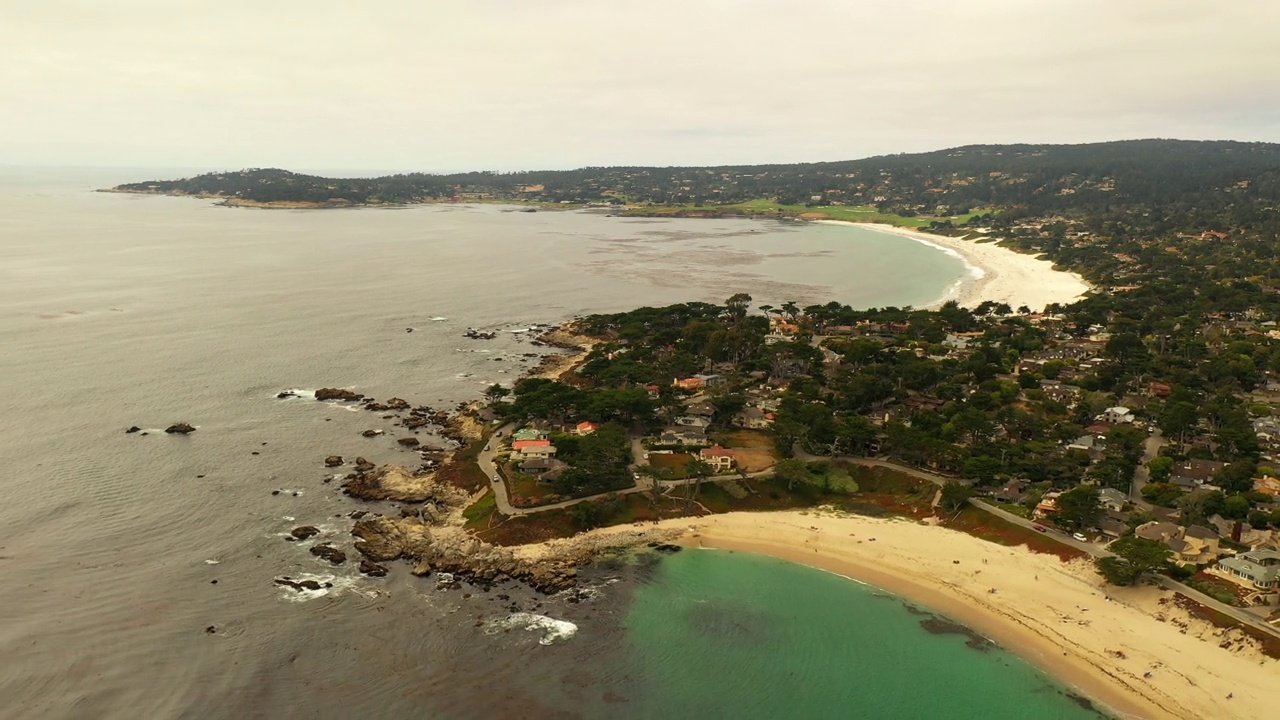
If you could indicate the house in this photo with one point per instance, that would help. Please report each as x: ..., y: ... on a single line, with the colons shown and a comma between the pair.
x: 712, y: 380
x: 1267, y: 485
x: 1113, y: 528
x: 531, y: 449
x: 1087, y: 443
x: 544, y: 452
x: 653, y: 390
x: 1195, y: 473
x: 1159, y: 389
x: 585, y: 428
x: 691, y: 421
x: 1117, y: 415
x: 1112, y: 499
x: 690, y: 383
x: 683, y: 436
x: 1047, y: 506
x: 529, y: 434
x: 700, y: 409
x: 753, y: 418
x: 536, y: 466
x: 1258, y: 569
x: 1011, y: 492
x: 1188, y: 548
x: 717, y: 457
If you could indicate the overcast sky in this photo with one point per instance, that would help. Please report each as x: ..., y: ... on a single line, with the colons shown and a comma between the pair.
x: 526, y: 84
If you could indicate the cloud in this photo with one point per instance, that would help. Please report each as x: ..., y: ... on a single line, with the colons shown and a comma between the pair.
x: 406, y: 84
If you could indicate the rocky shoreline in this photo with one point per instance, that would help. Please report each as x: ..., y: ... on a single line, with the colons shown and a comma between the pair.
x: 427, y: 526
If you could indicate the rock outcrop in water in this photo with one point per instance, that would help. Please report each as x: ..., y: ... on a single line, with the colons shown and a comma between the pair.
x: 333, y: 461
x: 338, y: 394
x: 180, y: 429
x: 304, y: 532
x: 330, y: 553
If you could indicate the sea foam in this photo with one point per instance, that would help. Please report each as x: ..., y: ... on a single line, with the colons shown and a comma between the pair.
x: 552, y: 630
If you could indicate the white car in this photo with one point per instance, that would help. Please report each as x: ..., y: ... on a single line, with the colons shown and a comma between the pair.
x: 496, y: 478
x: 1080, y: 536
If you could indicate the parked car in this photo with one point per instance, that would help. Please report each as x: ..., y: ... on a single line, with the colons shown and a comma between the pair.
x: 1080, y: 536
x: 496, y: 478
x: 1039, y: 528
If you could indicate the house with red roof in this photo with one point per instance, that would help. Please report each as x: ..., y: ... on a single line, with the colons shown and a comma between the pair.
x: 585, y: 428
x: 720, y: 458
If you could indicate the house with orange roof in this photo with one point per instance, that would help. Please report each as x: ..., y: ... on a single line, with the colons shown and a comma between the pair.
x: 585, y: 428
x: 721, y: 459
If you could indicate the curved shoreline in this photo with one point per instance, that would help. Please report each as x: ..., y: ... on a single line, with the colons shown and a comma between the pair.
x: 1056, y: 616
x: 993, y: 273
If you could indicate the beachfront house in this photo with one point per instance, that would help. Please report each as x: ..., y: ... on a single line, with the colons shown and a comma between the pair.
x: 717, y: 457
x: 1258, y: 570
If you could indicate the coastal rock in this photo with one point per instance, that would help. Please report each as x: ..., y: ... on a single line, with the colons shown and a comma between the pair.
x: 303, y: 532
x: 397, y: 404
x: 409, y: 441
x: 330, y: 553
x: 414, y: 422
x: 333, y: 461
x: 394, y: 482
x: 338, y: 394
x: 286, y: 394
x: 132, y: 429
x: 179, y: 429
x: 372, y: 569
x: 371, y: 433
x: 363, y: 466
x: 300, y: 585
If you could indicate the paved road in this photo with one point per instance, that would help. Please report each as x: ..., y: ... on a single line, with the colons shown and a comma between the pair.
x: 1141, y: 475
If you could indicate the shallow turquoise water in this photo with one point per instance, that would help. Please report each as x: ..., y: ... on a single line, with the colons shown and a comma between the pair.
x: 734, y: 635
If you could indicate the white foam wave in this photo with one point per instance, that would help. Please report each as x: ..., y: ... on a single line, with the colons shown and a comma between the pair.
x: 329, y: 584
x: 439, y: 319
x: 552, y: 630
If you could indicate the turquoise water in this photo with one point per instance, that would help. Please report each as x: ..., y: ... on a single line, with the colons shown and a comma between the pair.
x: 734, y: 635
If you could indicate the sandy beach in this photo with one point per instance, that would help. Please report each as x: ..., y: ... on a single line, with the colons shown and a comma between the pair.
x: 1056, y: 616
x: 1006, y: 276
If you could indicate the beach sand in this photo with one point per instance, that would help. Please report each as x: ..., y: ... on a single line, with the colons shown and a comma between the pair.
x: 1007, y: 276
x: 1054, y: 615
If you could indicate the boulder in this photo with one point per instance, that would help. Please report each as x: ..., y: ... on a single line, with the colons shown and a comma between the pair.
x: 333, y: 461
x: 179, y: 429
x: 338, y: 394
x: 330, y: 553
x: 397, y: 404
x: 371, y: 433
x: 372, y: 569
x: 409, y: 442
x: 132, y: 429
x: 286, y: 394
x: 303, y: 532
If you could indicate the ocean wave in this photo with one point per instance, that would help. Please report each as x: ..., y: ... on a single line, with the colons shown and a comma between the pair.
x: 552, y: 630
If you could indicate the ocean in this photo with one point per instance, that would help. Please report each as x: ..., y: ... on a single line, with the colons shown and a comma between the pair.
x: 136, y: 570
